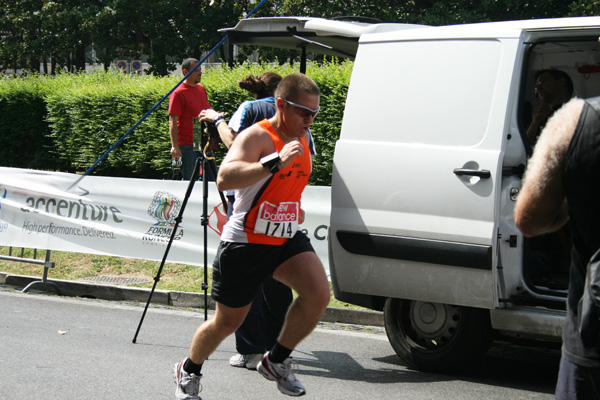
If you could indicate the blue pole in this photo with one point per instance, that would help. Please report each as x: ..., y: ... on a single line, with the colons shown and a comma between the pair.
x: 124, y: 136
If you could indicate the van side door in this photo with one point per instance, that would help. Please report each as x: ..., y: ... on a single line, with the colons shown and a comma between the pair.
x: 417, y: 169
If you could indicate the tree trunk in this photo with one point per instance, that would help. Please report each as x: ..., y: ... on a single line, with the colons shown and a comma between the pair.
x: 79, y: 56
x: 70, y: 62
x: 52, y: 65
x: 34, y: 64
x: 231, y: 60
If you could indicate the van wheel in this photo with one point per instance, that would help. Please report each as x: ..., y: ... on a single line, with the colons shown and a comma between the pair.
x: 437, y: 337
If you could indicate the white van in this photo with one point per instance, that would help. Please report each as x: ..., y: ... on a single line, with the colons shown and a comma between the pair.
x: 425, y: 176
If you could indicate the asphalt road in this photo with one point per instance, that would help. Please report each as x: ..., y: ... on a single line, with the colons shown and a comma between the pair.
x: 66, y: 348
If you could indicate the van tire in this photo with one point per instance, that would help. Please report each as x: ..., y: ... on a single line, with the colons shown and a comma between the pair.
x: 437, y: 337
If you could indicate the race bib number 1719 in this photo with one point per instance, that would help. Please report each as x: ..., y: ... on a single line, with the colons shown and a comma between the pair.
x: 277, y: 220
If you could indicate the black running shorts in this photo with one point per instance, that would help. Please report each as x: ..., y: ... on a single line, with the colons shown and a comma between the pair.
x: 240, y: 268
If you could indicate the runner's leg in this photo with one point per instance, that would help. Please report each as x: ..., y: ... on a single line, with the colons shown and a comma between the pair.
x: 305, y: 274
x: 212, y: 332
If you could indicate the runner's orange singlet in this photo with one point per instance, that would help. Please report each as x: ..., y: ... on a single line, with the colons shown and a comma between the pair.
x: 273, y: 216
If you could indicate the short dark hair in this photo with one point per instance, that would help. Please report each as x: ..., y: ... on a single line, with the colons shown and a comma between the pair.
x: 292, y: 85
x: 557, y: 74
x: 186, y: 64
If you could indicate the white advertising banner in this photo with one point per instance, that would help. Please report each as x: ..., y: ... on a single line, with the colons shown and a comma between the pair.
x: 126, y: 217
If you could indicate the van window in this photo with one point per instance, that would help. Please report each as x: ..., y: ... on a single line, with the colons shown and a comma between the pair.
x: 431, y: 92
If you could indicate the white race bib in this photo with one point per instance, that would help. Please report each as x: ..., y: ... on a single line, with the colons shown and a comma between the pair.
x: 277, y: 220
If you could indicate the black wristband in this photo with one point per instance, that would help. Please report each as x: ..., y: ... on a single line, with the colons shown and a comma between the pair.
x: 275, y: 168
x: 271, y: 162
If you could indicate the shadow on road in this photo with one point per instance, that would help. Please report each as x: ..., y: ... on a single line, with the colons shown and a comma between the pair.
x: 511, y: 366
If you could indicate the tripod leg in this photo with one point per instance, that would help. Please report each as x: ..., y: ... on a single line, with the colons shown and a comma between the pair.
x: 213, y: 168
x: 178, y: 219
x: 205, y: 230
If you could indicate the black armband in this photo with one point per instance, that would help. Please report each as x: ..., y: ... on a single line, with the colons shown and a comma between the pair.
x: 271, y: 162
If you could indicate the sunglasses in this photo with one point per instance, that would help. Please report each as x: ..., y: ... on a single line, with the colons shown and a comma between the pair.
x: 543, y: 80
x: 304, y: 111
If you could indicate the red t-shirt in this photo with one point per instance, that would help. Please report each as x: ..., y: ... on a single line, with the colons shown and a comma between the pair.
x: 186, y: 102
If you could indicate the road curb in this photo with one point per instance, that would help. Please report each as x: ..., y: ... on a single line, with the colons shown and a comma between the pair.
x: 165, y: 297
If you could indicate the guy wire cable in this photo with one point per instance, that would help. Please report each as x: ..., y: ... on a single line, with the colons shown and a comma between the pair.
x: 124, y: 136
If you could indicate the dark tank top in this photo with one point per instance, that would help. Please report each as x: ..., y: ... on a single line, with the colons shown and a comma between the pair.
x: 582, y: 188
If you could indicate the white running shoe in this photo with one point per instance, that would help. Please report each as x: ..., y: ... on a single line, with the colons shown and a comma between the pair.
x: 283, y: 374
x: 188, y: 385
x: 249, y: 361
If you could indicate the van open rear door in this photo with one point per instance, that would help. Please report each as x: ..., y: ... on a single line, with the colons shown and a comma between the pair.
x: 307, y: 34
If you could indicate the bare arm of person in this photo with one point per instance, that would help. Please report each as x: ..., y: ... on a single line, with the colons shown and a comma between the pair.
x: 241, y: 166
x: 175, y: 151
x: 541, y: 206
x: 539, y: 116
x: 227, y: 135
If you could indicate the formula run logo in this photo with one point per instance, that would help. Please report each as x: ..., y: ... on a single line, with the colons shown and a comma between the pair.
x: 164, y: 208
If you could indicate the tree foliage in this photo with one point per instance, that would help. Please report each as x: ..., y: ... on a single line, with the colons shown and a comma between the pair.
x: 431, y: 12
x: 34, y: 32
x: 583, y: 8
x: 58, y: 32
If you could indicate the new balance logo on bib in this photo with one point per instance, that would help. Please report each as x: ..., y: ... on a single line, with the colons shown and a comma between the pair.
x: 277, y: 220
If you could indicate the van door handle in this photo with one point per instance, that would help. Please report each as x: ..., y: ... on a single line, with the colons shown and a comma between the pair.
x: 481, y: 173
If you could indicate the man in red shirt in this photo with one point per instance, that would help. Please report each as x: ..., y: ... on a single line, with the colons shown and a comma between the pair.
x: 185, y: 103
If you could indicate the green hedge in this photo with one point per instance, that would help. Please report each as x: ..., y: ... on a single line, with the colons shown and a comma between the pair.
x: 68, y: 121
x: 24, y: 132
x: 88, y: 118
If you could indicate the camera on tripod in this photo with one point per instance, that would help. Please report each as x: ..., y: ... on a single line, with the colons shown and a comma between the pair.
x: 209, y: 133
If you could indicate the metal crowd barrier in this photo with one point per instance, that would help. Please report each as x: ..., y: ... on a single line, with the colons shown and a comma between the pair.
x: 46, y: 263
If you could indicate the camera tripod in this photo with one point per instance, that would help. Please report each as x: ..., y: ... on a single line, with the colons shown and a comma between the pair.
x: 206, y: 161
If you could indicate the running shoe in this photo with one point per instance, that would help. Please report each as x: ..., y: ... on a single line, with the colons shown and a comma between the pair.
x: 283, y: 374
x: 249, y: 361
x: 188, y: 385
